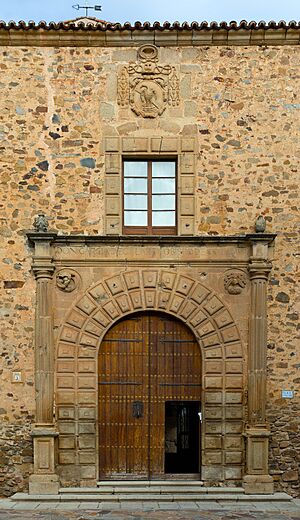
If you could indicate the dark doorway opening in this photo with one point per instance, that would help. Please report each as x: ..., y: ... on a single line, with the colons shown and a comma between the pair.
x: 182, y: 434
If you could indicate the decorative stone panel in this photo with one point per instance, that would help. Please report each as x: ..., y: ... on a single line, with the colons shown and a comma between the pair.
x: 181, y: 148
x: 222, y: 374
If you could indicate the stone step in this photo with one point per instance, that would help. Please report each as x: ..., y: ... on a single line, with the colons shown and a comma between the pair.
x: 150, y: 490
x: 153, y: 497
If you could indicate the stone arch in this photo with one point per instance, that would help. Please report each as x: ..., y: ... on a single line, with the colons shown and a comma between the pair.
x: 223, y: 369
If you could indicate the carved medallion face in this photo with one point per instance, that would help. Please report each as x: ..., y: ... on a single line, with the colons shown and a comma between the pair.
x: 67, y: 280
x: 148, y: 99
x: 234, y: 282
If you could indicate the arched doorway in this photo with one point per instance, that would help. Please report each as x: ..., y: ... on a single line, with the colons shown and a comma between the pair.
x: 149, y: 399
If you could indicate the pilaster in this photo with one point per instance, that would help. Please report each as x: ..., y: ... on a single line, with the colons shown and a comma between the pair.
x: 44, y: 480
x: 257, y: 480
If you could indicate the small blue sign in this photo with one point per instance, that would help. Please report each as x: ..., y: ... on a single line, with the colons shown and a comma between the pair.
x: 287, y: 394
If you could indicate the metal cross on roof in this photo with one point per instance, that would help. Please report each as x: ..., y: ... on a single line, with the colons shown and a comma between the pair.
x: 86, y: 7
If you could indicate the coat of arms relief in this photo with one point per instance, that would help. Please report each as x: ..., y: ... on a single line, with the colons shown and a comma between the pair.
x: 146, y: 86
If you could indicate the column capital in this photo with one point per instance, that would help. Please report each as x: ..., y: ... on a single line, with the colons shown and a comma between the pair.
x: 43, y: 270
x: 259, y: 268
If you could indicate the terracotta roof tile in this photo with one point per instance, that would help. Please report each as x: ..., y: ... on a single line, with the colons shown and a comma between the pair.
x: 102, y: 25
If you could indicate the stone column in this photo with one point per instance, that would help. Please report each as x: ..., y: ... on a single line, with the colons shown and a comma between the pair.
x: 44, y: 480
x: 257, y: 480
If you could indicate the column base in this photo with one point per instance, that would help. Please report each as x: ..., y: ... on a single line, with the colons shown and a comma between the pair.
x: 258, y: 485
x: 43, y: 485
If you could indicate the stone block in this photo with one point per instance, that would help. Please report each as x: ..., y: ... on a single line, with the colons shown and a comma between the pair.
x: 66, y: 350
x: 213, y: 305
x: 66, y: 412
x: 184, y: 285
x: 76, y: 319
x: 66, y: 427
x: 135, y: 144
x: 188, y: 144
x: 88, y: 472
x: 124, y: 303
x: 86, y: 442
x: 213, y: 352
x: 87, y: 351
x: 214, y: 473
x: 112, y: 144
x: 69, y: 334
x: 186, y: 163
x: 234, y: 367
x: 86, y: 382
x: 213, y: 367
x: 213, y: 442
x: 164, y: 144
x: 211, y: 340
x: 233, y: 457
x: 233, y: 397
x: 86, y: 366
x: 234, y: 412
x: 213, y: 427
x: 65, y: 366
x: 233, y: 427
x: 233, y: 473
x: 113, y: 205
x: 66, y: 443
x: 230, y: 334
x: 233, y: 442
x: 86, y: 428
x: 65, y: 397
x: 87, y: 413
x: 113, y: 185
x: 213, y: 412
x: 234, y: 381
x: 87, y: 457
x: 213, y: 397
x: 66, y: 457
x: 187, y: 205
x: 112, y: 164
x: 65, y: 381
x: 212, y: 457
x: 186, y: 226
x: 258, y: 484
x: 89, y: 340
x: 234, y: 350
x: 86, y: 397
x: 43, y: 484
x: 87, y: 305
x: 187, y: 185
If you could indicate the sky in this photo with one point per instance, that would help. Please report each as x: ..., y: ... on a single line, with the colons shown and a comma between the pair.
x: 152, y: 10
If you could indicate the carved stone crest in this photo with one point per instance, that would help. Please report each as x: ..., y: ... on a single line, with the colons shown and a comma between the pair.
x: 66, y: 280
x: 235, y: 282
x: 146, y: 86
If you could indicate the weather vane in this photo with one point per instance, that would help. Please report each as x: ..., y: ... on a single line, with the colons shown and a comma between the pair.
x: 86, y: 7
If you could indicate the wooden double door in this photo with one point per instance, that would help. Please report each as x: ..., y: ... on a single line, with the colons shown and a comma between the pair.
x: 149, y: 399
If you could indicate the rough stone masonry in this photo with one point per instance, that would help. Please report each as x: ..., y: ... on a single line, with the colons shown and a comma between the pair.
x: 59, y: 101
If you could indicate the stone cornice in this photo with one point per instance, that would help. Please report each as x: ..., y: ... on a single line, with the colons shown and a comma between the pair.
x: 135, y: 240
x: 115, y: 35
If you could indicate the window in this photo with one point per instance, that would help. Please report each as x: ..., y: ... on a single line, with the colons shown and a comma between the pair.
x: 149, y: 197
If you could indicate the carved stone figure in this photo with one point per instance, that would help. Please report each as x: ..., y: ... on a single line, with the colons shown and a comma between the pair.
x: 66, y: 281
x: 148, y: 87
x: 260, y: 224
x: 41, y: 223
x: 234, y: 282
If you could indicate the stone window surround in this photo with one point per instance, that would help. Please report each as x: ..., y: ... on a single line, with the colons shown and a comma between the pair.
x: 182, y: 148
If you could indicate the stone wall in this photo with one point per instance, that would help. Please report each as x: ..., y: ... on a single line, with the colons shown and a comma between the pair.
x: 56, y: 108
